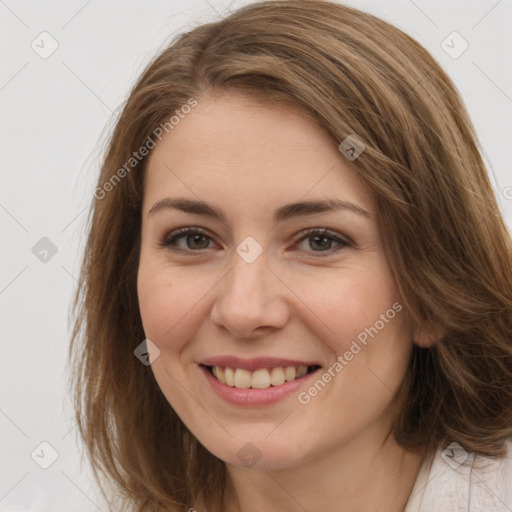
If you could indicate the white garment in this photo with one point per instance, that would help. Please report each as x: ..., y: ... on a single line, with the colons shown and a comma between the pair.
x: 453, y: 480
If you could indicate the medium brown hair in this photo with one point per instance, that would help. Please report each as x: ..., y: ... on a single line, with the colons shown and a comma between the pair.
x: 444, y: 238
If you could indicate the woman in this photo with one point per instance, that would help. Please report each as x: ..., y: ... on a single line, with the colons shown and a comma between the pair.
x: 296, y: 291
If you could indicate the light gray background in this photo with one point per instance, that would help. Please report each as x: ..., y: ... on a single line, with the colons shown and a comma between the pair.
x: 55, y: 115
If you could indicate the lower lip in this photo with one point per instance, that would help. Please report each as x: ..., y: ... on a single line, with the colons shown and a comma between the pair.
x: 250, y: 396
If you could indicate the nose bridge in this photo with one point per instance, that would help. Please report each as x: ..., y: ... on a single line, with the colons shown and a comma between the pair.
x: 247, y: 298
x: 247, y: 282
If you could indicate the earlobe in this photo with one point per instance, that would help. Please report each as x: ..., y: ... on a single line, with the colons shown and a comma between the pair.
x: 426, y: 339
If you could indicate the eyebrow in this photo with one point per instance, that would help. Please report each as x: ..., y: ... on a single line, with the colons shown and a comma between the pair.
x: 288, y: 211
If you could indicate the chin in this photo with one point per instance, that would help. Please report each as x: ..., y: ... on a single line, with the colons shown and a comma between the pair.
x: 258, y: 452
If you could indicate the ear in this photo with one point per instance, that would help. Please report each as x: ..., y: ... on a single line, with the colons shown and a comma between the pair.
x: 427, y: 338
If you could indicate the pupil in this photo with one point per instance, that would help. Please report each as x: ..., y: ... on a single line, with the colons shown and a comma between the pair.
x: 197, y: 238
x: 323, y: 242
x: 324, y: 239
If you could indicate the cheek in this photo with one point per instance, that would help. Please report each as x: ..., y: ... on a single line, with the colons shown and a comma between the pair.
x: 377, y: 340
x: 342, y: 303
x: 154, y: 294
x: 171, y: 302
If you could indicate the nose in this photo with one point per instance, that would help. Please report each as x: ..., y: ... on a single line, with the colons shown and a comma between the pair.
x: 249, y: 301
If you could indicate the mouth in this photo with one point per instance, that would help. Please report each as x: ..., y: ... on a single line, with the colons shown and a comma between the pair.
x: 259, y: 378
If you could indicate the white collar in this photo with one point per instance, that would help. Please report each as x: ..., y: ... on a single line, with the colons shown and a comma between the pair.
x: 453, y: 480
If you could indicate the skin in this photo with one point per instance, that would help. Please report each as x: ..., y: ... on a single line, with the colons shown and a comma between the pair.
x: 299, y: 299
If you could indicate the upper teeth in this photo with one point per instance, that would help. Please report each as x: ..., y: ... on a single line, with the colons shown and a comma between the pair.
x: 260, y: 379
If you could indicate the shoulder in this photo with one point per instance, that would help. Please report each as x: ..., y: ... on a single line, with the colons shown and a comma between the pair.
x: 453, y: 480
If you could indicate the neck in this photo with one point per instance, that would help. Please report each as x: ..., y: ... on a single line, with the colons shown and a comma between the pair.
x: 358, y: 476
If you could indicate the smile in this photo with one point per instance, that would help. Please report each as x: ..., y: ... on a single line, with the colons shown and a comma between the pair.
x: 261, y: 378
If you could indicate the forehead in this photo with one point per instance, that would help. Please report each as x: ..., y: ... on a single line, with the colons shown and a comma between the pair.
x: 232, y: 144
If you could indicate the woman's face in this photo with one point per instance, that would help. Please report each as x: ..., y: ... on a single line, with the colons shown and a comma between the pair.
x: 253, y: 297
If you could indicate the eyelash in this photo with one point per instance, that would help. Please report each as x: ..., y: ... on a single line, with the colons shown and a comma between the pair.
x: 171, y: 238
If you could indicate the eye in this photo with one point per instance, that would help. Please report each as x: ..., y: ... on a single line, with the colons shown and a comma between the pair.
x: 322, y: 240
x: 193, y: 239
x: 187, y: 239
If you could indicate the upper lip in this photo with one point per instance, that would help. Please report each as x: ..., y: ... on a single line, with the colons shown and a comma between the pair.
x: 254, y: 363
